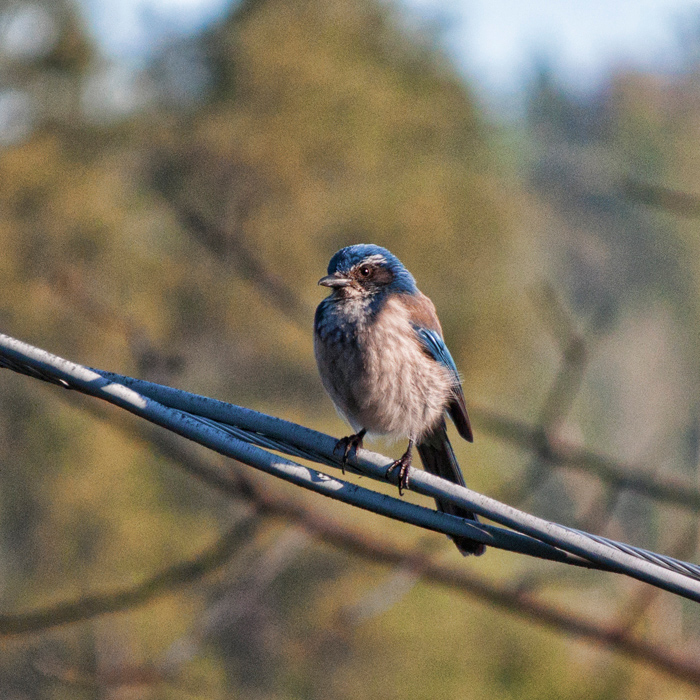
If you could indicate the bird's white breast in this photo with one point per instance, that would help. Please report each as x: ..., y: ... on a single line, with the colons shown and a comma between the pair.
x: 380, y: 378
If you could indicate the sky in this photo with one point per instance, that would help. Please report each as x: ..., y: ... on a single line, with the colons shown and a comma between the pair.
x: 494, y: 42
x: 497, y: 41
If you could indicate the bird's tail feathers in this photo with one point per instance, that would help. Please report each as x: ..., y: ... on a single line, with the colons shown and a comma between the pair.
x: 438, y: 458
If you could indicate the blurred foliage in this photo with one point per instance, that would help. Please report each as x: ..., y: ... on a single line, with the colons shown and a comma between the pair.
x: 172, y: 222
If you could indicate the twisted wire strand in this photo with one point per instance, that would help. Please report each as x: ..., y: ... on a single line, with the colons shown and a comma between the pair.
x: 225, y: 412
x: 682, y: 567
x: 247, y: 435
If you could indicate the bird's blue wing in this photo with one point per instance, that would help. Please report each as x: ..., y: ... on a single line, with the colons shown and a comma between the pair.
x: 434, y: 345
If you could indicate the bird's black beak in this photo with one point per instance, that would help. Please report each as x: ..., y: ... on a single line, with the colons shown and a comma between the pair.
x: 334, y: 280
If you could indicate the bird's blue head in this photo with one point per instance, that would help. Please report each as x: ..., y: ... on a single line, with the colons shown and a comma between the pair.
x: 367, y: 269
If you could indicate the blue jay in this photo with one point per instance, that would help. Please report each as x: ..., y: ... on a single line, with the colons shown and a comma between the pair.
x: 385, y: 365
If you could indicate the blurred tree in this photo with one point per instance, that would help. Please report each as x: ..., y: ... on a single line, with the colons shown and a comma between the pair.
x: 171, y: 222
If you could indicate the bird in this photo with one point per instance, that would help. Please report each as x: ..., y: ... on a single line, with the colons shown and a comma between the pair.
x: 385, y: 365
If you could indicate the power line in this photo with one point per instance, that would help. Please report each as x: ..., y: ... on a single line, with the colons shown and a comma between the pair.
x: 248, y: 436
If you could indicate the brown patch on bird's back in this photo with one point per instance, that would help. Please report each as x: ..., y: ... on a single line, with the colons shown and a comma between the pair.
x: 422, y: 311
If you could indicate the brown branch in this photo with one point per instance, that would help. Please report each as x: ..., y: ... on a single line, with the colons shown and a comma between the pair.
x: 563, y: 390
x: 149, y: 358
x: 122, y: 676
x: 249, y: 265
x: 682, y: 666
x: 574, y: 358
x: 90, y: 606
x: 235, y: 191
x: 233, y: 482
x: 679, y: 665
x: 659, y: 197
x: 571, y: 456
x: 636, y: 606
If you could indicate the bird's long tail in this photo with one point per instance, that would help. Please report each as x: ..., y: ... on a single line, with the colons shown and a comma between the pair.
x: 438, y: 458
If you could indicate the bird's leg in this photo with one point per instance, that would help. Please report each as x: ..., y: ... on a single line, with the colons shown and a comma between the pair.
x: 349, y: 446
x: 402, y: 464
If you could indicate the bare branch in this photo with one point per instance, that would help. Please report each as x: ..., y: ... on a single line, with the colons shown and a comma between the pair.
x: 573, y: 363
x: 366, y: 545
x: 91, y: 606
x: 572, y: 456
x: 247, y: 263
x: 665, y: 198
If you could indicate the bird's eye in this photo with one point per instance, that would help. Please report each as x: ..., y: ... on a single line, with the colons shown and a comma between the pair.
x: 365, y: 270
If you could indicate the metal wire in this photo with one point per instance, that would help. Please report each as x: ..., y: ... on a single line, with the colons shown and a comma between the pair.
x: 247, y: 435
x: 308, y: 444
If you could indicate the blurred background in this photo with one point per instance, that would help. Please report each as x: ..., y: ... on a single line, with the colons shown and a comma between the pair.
x: 175, y: 175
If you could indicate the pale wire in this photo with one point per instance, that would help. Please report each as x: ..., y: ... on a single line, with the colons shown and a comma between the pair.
x: 248, y: 436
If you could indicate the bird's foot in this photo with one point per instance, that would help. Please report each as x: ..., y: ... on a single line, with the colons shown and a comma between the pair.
x: 348, y: 445
x: 402, y: 464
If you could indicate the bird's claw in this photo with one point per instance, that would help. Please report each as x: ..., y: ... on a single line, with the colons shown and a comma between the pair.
x: 348, y: 445
x: 402, y: 464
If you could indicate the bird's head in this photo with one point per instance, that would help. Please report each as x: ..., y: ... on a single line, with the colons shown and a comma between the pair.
x: 365, y: 270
